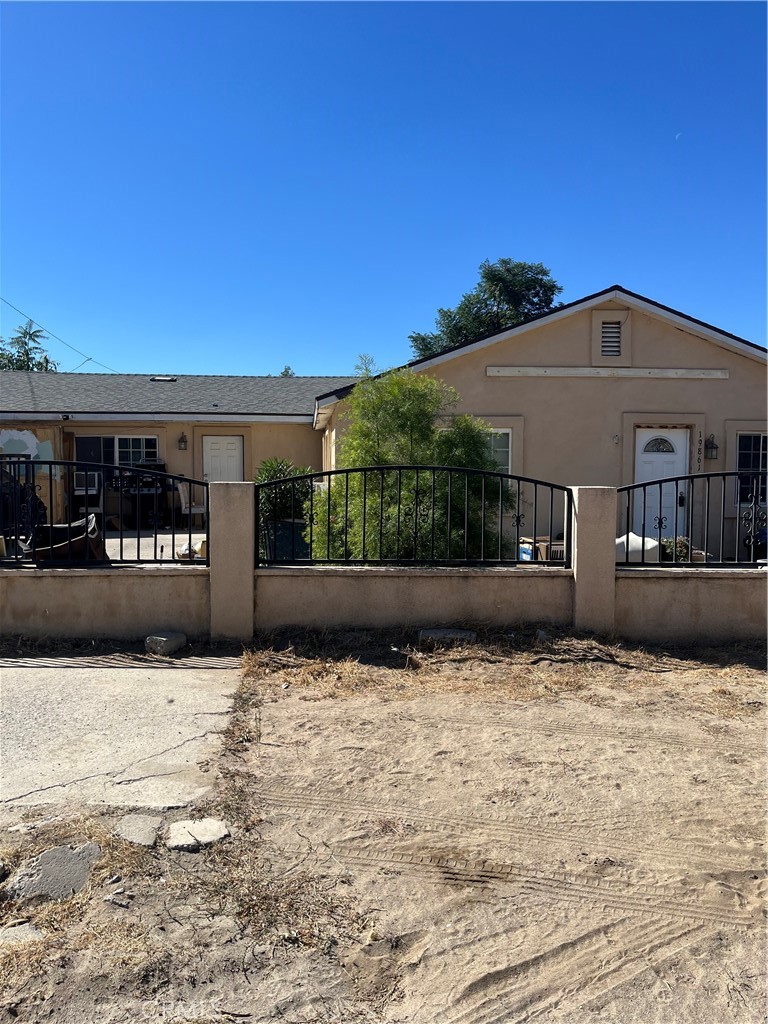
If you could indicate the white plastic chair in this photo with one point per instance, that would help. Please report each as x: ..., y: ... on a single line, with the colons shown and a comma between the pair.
x: 186, y: 508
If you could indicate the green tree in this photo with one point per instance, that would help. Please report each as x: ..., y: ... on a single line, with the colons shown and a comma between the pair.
x: 365, y: 365
x: 507, y: 293
x: 287, y: 372
x: 394, y: 512
x: 24, y: 351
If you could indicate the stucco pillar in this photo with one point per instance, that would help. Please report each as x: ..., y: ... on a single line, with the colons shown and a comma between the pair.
x: 594, y: 558
x: 231, y: 511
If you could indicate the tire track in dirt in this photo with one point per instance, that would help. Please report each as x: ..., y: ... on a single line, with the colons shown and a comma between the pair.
x: 579, y: 970
x: 501, y: 827
x: 557, y: 886
x: 596, y: 734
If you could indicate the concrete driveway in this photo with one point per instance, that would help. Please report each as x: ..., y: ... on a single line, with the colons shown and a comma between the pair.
x: 73, y: 730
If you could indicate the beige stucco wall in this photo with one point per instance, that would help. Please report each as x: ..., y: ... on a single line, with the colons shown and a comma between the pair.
x: 580, y: 431
x: 121, y: 602
x: 324, y: 596
x: 702, y: 605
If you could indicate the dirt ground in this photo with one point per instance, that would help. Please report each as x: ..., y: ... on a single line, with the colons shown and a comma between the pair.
x: 530, y: 827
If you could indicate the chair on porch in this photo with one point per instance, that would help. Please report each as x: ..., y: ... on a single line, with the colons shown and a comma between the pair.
x: 188, y: 509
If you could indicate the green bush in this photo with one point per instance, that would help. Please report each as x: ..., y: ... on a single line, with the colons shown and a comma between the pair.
x: 408, y: 515
x: 284, y: 501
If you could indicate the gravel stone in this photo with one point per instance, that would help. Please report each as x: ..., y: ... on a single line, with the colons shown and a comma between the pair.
x: 192, y: 835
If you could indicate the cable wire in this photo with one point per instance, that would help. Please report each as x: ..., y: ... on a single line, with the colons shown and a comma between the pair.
x: 86, y: 358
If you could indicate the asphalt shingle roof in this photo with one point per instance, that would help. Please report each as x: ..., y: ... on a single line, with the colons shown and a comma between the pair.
x: 207, y: 396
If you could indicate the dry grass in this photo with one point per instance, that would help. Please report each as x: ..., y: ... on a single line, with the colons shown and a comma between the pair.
x: 528, y: 665
x: 20, y: 964
x: 291, y: 904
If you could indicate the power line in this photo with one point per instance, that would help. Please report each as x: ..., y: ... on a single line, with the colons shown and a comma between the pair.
x: 86, y: 358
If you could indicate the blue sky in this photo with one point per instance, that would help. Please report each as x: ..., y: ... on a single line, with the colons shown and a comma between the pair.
x: 227, y: 188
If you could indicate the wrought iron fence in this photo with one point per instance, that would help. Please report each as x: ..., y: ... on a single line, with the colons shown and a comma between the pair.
x: 412, y: 515
x: 92, y: 513
x: 705, y: 519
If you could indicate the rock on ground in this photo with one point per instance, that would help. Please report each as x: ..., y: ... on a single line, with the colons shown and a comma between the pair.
x: 140, y: 829
x: 56, y: 874
x: 165, y: 643
x: 192, y: 835
x: 15, y: 934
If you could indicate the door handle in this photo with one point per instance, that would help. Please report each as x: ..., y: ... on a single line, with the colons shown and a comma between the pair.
x: 681, y: 500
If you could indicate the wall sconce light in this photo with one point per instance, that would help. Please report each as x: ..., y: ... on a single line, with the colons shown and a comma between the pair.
x: 182, y: 442
x: 710, y: 448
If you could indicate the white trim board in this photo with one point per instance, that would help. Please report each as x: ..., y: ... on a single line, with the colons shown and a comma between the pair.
x: 605, y: 371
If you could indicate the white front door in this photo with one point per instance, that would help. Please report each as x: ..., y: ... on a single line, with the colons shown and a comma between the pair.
x: 222, y: 457
x: 660, y: 453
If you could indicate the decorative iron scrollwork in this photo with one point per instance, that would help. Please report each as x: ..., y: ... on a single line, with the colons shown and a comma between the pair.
x: 754, y: 518
x: 659, y: 522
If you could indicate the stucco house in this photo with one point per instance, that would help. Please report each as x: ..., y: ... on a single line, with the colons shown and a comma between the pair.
x: 611, y: 389
x: 204, y: 427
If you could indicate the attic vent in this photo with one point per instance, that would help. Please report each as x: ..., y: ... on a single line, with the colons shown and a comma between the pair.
x: 164, y: 380
x: 610, y: 338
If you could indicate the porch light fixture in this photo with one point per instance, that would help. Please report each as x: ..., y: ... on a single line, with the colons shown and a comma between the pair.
x: 182, y: 442
x: 710, y: 448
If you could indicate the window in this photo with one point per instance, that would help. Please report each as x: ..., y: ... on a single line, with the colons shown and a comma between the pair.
x: 131, y: 450
x: 752, y: 458
x: 115, y: 451
x: 659, y: 444
x: 610, y: 338
x: 501, y: 449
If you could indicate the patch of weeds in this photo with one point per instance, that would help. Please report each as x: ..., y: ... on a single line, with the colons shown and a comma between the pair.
x: 295, y: 906
x: 233, y: 801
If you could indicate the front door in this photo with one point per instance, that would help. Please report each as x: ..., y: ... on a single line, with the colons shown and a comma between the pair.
x: 659, y: 453
x: 222, y: 457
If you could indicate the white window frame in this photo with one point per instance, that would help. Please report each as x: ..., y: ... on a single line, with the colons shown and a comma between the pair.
x: 508, y: 432
x: 133, y: 437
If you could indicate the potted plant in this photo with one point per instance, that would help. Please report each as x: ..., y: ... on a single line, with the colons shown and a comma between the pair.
x: 281, y: 509
x: 675, y: 553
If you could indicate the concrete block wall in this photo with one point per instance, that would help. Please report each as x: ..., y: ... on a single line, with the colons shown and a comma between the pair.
x: 232, y: 599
